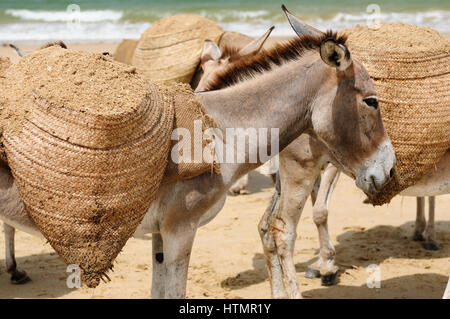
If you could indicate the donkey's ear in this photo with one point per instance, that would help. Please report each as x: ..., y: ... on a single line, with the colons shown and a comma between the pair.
x: 335, y: 54
x: 210, y: 51
x: 18, y: 51
x: 257, y: 44
x: 299, y: 26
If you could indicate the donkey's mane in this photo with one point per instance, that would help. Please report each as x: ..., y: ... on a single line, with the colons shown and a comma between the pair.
x: 55, y: 43
x: 229, y: 51
x: 241, y: 68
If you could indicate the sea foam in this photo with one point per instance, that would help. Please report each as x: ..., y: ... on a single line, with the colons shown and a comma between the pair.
x: 60, y: 16
x: 113, y: 25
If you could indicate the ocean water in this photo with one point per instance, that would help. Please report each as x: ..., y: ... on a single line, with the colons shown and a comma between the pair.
x: 111, y: 20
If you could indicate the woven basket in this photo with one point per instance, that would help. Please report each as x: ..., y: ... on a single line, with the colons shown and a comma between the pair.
x: 187, y: 110
x: 125, y: 50
x: 5, y: 63
x: 170, y: 49
x: 412, y: 82
x: 86, y: 178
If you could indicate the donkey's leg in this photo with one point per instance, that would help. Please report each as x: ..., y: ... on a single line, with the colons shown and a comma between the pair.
x: 273, y: 262
x: 420, y: 220
x: 313, y: 271
x: 177, y: 248
x: 17, y: 276
x: 240, y: 186
x: 159, y: 269
x: 325, y: 263
x: 315, y: 189
x: 430, y: 232
x: 295, y: 191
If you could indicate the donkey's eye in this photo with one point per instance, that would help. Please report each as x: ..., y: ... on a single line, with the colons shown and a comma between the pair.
x: 372, y: 102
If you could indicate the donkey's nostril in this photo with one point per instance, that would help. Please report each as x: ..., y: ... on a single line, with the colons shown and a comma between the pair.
x: 391, y: 173
x: 374, y: 183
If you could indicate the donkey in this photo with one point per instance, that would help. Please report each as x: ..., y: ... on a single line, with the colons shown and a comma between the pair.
x: 306, y: 150
x: 312, y: 84
x: 300, y: 166
x: 278, y: 225
x: 209, y: 53
x: 421, y: 225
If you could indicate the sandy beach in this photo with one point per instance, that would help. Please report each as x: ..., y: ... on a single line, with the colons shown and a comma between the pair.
x: 227, y: 259
x: 228, y: 262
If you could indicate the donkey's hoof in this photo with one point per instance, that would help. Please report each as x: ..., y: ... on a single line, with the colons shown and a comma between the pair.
x: 418, y: 237
x: 329, y: 280
x: 430, y: 246
x: 19, y: 277
x: 312, y: 273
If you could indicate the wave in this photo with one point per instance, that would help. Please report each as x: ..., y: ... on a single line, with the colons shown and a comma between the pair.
x: 62, y: 16
x: 439, y: 20
x: 232, y: 15
x: 413, y: 18
x: 31, y: 33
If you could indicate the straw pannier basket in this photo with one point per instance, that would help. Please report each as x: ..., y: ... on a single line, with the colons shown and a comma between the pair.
x: 5, y: 63
x: 410, y: 66
x: 87, y: 174
x: 187, y: 111
x: 125, y: 51
x: 170, y: 49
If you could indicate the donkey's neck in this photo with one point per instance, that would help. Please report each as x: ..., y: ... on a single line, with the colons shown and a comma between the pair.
x: 280, y: 98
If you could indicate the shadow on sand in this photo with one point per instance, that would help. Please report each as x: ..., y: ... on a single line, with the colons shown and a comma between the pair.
x: 48, y: 270
x: 360, y: 248
x: 417, y: 286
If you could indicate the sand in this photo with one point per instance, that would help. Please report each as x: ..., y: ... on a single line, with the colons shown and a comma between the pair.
x: 5, y: 63
x: 78, y: 80
x: 227, y: 259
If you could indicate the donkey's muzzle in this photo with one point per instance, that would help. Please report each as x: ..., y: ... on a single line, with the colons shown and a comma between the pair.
x: 378, y: 169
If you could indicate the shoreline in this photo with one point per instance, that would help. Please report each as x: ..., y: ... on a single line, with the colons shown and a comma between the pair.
x: 6, y: 51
